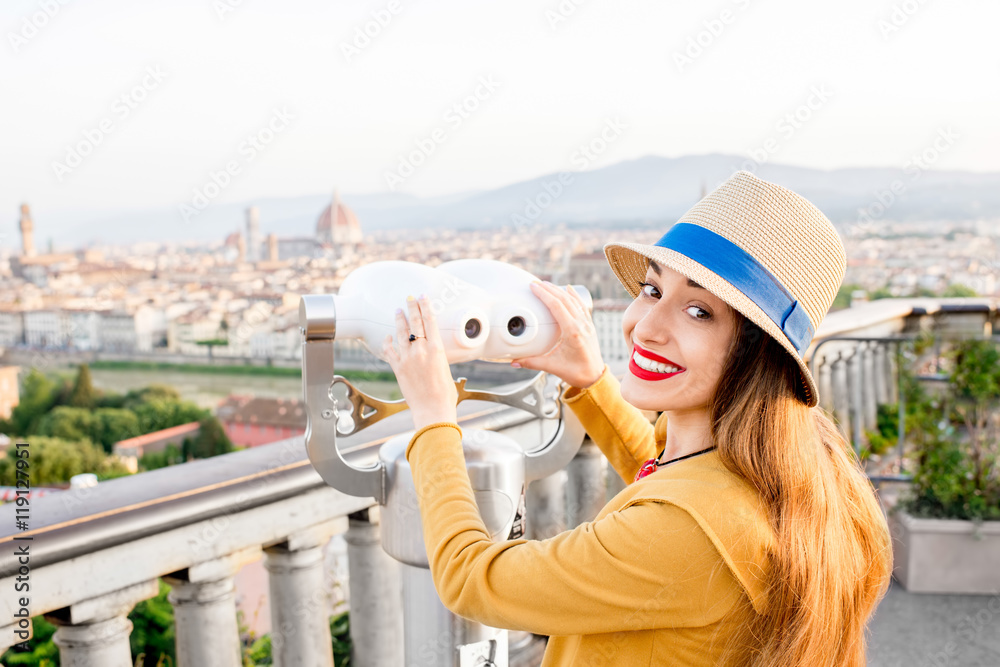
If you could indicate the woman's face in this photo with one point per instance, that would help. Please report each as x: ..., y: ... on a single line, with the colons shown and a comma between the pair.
x: 681, y: 333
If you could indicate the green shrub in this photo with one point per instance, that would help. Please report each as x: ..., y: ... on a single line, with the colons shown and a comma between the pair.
x: 54, y: 461
x: 957, y: 439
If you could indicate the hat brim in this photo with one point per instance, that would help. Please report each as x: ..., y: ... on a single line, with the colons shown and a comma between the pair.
x: 629, y: 261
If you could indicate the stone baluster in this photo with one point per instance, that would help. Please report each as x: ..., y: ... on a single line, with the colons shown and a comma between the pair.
x: 546, y: 506
x: 585, y: 489
x: 376, y: 599
x: 869, y: 399
x: 882, y: 378
x: 300, y: 598
x: 95, y: 632
x: 855, y: 381
x: 841, y: 393
x: 204, y: 603
x: 824, y: 382
x: 892, y: 376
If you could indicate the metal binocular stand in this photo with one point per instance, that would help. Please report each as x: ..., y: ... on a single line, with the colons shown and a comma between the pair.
x: 499, y: 468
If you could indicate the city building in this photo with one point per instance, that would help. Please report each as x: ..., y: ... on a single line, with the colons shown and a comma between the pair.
x: 250, y: 421
x: 10, y: 394
x: 131, y: 450
x: 592, y: 270
x: 608, y: 314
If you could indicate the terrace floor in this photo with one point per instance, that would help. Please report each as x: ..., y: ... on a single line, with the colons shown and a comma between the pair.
x: 924, y: 630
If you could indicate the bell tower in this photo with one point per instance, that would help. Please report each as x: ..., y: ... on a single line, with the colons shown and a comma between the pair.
x: 27, y: 232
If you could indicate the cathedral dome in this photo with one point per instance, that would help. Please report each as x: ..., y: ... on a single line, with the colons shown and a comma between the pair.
x: 338, y: 224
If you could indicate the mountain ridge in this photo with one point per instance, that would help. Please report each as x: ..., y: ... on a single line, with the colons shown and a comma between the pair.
x: 649, y: 189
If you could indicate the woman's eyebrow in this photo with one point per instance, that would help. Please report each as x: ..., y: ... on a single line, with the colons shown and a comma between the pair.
x: 656, y: 269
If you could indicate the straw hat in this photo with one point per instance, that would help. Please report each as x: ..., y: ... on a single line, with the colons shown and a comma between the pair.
x: 761, y: 248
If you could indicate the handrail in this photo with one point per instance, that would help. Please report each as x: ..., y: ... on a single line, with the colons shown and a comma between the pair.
x: 73, y: 522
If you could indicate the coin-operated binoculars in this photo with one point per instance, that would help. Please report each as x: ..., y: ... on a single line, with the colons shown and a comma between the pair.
x: 485, y: 310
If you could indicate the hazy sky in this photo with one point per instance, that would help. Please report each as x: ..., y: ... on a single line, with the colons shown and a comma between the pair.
x: 172, y: 91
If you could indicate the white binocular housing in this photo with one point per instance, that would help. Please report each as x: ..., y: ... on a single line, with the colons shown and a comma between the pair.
x: 485, y: 309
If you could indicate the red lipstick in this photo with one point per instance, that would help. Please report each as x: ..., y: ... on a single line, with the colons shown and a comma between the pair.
x: 642, y: 373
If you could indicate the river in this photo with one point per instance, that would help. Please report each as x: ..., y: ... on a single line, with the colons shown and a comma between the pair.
x: 209, y: 389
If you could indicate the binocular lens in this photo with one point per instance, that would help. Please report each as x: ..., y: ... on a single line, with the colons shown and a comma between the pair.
x: 473, y: 327
x: 516, y: 326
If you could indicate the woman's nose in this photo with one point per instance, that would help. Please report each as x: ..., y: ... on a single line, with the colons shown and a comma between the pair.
x: 652, y: 328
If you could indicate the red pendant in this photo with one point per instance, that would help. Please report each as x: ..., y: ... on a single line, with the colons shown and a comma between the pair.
x: 648, y: 468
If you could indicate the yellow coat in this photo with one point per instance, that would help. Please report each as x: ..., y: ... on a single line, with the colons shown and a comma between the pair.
x: 656, y: 579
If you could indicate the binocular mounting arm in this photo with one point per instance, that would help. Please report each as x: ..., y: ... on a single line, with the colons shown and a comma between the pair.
x: 366, y: 410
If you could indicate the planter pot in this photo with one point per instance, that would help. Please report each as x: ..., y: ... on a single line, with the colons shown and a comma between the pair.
x: 945, y: 555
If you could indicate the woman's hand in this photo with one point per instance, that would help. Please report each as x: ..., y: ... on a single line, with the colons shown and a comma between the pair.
x: 421, y: 366
x: 576, y: 358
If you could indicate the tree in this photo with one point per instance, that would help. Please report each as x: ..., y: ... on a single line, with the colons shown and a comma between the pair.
x: 211, y: 441
x: 170, y: 456
x: 38, y: 395
x: 159, y: 414
x: 83, y: 395
x: 957, y: 442
x: 110, y: 425
x: 54, y: 461
x: 958, y: 290
x: 66, y: 423
x: 211, y: 343
x: 137, y: 397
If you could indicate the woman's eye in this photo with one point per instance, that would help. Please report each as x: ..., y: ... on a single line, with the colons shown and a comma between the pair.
x: 707, y: 315
x: 649, y: 290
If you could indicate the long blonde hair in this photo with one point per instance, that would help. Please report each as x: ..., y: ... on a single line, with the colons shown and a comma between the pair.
x: 832, y: 560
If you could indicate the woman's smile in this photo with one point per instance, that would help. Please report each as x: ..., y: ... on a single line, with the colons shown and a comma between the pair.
x: 646, y: 365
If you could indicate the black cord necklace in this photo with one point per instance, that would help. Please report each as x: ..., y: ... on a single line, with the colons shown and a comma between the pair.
x: 650, y: 466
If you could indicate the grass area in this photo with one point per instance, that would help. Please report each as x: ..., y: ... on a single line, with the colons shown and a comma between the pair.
x: 269, y: 371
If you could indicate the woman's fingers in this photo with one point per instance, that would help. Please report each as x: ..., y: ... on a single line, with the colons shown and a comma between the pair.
x: 415, y: 319
x: 559, y: 310
x: 402, y: 331
x: 430, y: 322
x: 391, y: 356
x: 577, y: 299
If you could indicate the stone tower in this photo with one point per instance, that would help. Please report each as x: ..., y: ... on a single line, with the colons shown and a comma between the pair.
x: 27, y: 232
x: 272, y: 247
x: 253, y: 234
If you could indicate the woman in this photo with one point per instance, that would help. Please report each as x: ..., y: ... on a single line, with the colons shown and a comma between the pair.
x: 753, y: 537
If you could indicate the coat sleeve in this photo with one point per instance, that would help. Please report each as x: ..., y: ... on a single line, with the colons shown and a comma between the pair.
x: 622, y: 432
x: 649, y: 565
